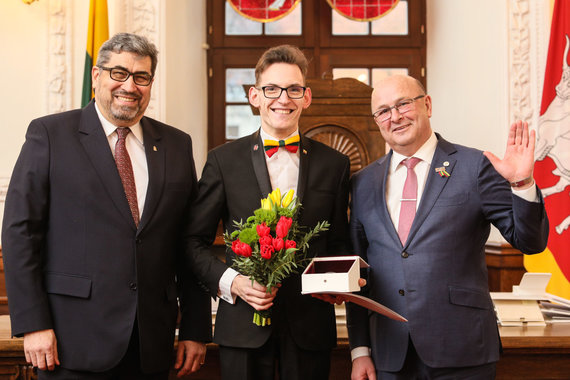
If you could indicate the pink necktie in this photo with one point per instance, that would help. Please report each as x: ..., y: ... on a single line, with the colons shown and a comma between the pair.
x: 126, y: 172
x: 409, y: 199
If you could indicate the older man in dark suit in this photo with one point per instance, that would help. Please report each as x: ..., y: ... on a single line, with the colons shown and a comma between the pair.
x: 92, y: 233
x: 421, y: 216
x: 236, y: 176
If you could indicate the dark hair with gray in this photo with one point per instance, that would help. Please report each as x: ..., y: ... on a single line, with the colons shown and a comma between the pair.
x: 281, y: 54
x: 131, y: 43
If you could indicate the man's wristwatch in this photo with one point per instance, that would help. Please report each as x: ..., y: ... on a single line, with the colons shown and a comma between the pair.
x: 522, y: 182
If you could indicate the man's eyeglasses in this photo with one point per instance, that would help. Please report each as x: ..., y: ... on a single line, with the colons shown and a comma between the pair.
x: 403, y: 106
x: 274, y: 92
x: 121, y: 75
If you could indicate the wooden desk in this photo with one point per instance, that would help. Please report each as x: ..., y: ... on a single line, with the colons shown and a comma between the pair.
x: 535, y: 352
x: 529, y: 353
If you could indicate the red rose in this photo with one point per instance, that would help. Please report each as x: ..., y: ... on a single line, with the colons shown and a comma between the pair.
x: 283, y: 225
x: 266, y: 251
x: 266, y: 240
x: 245, y: 250
x: 278, y: 244
x: 262, y: 230
x: 290, y: 244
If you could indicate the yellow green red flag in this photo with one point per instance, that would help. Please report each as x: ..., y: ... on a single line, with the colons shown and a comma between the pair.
x: 97, y: 33
x: 552, y: 166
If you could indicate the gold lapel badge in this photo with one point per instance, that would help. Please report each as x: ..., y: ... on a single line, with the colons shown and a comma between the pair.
x: 154, y: 148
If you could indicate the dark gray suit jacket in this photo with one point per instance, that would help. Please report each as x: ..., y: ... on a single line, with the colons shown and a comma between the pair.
x: 438, y: 279
x: 233, y: 182
x: 75, y: 261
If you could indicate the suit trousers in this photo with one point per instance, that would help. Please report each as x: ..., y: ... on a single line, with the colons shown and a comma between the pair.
x: 129, y: 368
x: 279, y: 355
x: 415, y: 369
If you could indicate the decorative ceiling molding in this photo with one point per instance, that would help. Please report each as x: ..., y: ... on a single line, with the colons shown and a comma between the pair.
x: 59, y: 56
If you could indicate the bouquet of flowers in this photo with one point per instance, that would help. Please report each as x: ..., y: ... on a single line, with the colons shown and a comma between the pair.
x: 270, y: 246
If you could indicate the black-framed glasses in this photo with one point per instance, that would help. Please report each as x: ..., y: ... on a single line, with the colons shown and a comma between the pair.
x: 403, y: 106
x: 121, y: 75
x: 274, y: 92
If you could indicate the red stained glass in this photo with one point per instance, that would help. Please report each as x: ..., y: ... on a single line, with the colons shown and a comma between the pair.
x: 264, y: 10
x: 363, y: 10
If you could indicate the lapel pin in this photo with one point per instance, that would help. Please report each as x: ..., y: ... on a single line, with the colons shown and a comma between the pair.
x: 304, y: 151
x: 255, y: 147
x: 441, y: 171
x: 446, y: 163
x: 154, y: 148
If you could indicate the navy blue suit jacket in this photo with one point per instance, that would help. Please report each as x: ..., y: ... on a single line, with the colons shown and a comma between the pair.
x: 438, y: 279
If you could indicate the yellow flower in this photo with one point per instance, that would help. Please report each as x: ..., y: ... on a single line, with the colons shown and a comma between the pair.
x: 265, y: 204
x: 288, y: 198
x: 275, y: 196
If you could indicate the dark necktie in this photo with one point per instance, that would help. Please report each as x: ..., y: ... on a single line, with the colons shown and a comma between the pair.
x: 126, y: 172
x: 271, y: 146
x: 409, y: 199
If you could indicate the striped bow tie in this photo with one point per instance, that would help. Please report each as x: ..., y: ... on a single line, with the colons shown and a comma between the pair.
x: 271, y: 146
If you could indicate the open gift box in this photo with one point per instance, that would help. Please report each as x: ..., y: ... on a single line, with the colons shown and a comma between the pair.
x: 338, y: 276
x: 332, y: 274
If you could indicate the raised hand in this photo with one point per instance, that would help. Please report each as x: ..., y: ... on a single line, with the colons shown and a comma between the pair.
x: 518, y: 162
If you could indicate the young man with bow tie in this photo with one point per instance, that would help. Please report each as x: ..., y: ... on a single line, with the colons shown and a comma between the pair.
x: 236, y: 177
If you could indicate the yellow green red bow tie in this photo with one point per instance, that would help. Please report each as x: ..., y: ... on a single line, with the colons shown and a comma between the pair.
x: 271, y: 146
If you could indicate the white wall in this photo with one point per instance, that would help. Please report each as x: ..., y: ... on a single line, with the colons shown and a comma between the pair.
x: 466, y: 68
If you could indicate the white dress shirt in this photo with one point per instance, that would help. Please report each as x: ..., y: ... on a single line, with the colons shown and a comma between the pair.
x: 135, y: 146
x: 283, y: 169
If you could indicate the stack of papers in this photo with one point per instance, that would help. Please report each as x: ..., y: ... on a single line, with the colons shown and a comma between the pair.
x: 555, y: 312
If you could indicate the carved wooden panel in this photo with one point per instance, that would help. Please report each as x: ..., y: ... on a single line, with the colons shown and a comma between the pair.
x: 343, y: 140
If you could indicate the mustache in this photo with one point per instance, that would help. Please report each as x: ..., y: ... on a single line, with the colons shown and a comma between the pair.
x: 127, y: 94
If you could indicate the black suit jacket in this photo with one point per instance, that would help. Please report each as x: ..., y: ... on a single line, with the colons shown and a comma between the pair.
x: 233, y: 182
x: 74, y: 259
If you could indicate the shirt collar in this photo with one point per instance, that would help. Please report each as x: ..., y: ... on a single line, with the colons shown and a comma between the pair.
x: 425, y: 153
x: 109, y: 128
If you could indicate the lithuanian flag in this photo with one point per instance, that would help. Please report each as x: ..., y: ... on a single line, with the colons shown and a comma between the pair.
x: 97, y: 33
x: 552, y: 166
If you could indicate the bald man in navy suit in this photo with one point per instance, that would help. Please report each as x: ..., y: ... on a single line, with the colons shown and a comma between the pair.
x: 432, y: 270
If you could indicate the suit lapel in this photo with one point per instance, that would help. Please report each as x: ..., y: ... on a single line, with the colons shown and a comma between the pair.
x: 435, y: 183
x: 156, y: 161
x: 304, y: 152
x: 96, y: 145
x: 379, y: 190
x: 259, y: 164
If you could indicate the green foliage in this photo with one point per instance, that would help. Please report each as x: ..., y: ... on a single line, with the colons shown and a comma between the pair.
x: 248, y: 235
x: 283, y: 263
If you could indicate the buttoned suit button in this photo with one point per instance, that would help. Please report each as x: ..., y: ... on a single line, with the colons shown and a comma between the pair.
x: 405, y: 255
x: 133, y: 286
x: 401, y: 292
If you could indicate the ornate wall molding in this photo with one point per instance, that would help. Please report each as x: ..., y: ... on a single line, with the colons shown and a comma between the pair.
x: 59, y: 56
x: 528, y: 44
x: 144, y: 17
